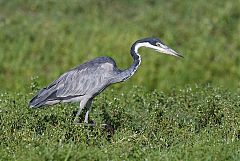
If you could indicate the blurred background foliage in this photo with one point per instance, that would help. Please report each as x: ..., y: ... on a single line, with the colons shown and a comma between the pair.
x: 46, y: 38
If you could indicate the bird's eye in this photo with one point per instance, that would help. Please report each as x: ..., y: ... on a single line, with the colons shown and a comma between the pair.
x: 158, y: 44
x: 161, y: 45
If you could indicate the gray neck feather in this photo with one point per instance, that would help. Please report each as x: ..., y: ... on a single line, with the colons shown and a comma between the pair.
x: 126, y: 74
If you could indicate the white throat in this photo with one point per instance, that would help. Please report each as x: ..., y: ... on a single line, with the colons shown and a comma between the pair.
x: 144, y: 44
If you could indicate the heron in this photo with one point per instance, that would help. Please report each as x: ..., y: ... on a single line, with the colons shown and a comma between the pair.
x: 86, y: 81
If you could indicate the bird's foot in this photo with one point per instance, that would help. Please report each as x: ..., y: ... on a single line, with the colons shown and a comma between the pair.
x: 107, y: 127
x: 92, y: 124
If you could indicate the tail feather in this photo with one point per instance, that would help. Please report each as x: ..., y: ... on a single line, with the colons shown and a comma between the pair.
x: 42, y: 97
x: 35, y: 102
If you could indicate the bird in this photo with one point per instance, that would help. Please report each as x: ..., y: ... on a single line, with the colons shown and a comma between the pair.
x: 84, y: 82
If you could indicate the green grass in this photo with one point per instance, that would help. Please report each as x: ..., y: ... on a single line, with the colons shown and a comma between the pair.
x: 200, y: 123
x: 180, y: 109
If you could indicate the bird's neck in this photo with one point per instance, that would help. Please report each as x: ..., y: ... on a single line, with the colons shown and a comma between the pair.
x: 126, y: 74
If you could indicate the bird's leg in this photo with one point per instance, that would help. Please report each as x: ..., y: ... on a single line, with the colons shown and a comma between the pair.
x: 82, y: 104
x: 88, y: 106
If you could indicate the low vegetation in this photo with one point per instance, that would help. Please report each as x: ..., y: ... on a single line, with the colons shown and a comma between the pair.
x: 200, y: 123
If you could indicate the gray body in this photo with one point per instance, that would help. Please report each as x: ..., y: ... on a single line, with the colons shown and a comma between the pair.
x: 87, y: 80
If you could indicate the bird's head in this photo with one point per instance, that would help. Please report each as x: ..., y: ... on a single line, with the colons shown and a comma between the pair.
x: 157, y: 45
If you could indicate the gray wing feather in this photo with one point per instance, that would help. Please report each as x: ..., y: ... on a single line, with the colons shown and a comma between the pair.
x: 81, y: 82
x: 87, y: 79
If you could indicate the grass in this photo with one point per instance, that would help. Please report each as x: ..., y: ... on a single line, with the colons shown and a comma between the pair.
x: 181, y: 109
x: 200, y: 123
